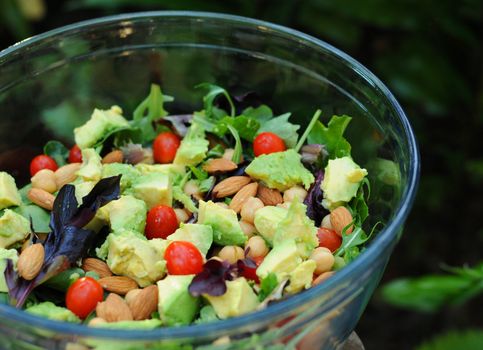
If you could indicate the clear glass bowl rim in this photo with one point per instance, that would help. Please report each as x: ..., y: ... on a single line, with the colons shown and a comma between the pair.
x: 367, y: 258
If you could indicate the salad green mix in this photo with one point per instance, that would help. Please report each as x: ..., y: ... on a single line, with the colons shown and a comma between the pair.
x: 169, y: 220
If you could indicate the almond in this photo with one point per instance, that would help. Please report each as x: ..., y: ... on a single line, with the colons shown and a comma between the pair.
x: 96, y: 265
x: 242, y: 196
x: 66, y: 174
x: 269, y: 196
x: 230, y: 185
x: 115, y: 156
x: 30, y: 261
x: 45, y: 180
x: 41, y: 197
x: 114, y: 309
x: 118, y: 284
x: 131, y: 295
x: 340, y: 217
x: 219, y: 165
x: 144, y: 303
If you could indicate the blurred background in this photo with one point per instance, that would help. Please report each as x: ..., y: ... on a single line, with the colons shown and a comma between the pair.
x: 430, y: 54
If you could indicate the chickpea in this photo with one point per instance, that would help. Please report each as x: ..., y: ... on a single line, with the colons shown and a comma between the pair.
x: 294, y: 192
x: 223, y: 205
x: 45, y: 180
x: 324, y: 260
x: 284, y: 205
x: 247, y: 228
x: 326, y: 222
x: 181, y: 215
x: 322, y: 277
x: 191, y: 189
x: 249, y: 209
x: 257, y: 247
x: 231, y: 253
x: 96, y: 321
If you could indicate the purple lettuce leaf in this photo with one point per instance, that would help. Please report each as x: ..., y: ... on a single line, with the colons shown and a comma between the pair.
x: 180, y: 122
x: 314, y: 198
x: 212, y: 279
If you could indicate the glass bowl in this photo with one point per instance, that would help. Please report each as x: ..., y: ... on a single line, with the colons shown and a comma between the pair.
x: 51, y: 83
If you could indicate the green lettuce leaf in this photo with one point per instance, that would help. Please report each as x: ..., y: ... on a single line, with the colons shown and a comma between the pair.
x: 267, y: 285
x: 332, y: 136
x: 283, y: 128
x: 57, y: 151
x: 208, y: 100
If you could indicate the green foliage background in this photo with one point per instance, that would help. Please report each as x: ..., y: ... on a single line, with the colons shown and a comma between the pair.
x: 430, y: 54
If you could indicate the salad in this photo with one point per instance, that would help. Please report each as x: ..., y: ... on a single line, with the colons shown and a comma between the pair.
x: 167, y: 220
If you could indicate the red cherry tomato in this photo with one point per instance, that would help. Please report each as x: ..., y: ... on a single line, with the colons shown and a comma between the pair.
x: 183, y: 258
x: 165, y: 146
x: 250, y: 273
x: 160, y: 222
x: 329, y: 239
x: 266, y: 143
x: 75, y: 155
x: 83, y: 295
x: 42, y: 162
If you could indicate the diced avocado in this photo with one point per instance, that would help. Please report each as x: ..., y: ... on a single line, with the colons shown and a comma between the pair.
x: 128, y: 172
x: 280, y: 170
x: 200, y: 235
x: 239, y: 299
x: 176, y: 306
x: 4, y: 255
x: 155, y: 189
x: 9, y: 194
x: 193, y: 147
x: 168, y: 169
x: 132, y: 255
x: 281, y: 260
x: 82, y: 189
x: 52, y: 312
x: 297, y: 226
x: 91, y: 169
x: 144, y: 324
x: 224, y: 222
x: 13, y: 228
x: 342, y: 179
x: 267, y: 220
x: 40, y: 217
x: 101, y: 123
x: 301, y: 277
x: 125, y: 213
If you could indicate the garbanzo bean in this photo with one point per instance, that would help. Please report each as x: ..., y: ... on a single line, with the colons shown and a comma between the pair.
x: 257, y: 247
x: 231, y: 253
x: 324, y: 260
x: 247, y: 228
x: 294, y: 192
x: 250, y: 208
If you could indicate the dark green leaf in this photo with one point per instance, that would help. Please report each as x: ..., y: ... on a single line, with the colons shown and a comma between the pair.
x: 216, y: 152
x: 247, y: 127
x: 332, y: 136
x: 40, y: 217
x: 213, y: 92
x: 261, y: 113
x: 199, y: 173
x: 237, y: 152
x: 283, y: 128
x: 57, y: 151
x: 349, y: 241
x: 267, y: 285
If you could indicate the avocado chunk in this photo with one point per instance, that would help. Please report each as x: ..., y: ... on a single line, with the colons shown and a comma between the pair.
x: 301, y: 277
x: 52, y: 312
x: 128, y: 173
x: 155, y: 189
x: 168, y: 169
x: 176, y: 305
x: 193, y: 147
x: 200, y: 235
x: 102, y: 122
x: 9, y: 194
x: 131, y: 254
x: 4, y: 255
x: 40, y: 217
x: 239, y: 299
x: 125, y: 213
x: 342, y: 179
x: 82, y: 189
x: 281, y: 260
x: 280, y: 170
x: 224, y: 222
x: 144, y: 324
x: 297, y: 226
x: 267, y: 220
x: 13, y: 228
x: 91, y: 169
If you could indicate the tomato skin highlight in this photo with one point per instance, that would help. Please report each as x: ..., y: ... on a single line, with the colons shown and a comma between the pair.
x: 161, y: 221
x: 268, y: 142
x: 251, y: 273
x: 75, y: 155
x: 83, y: 295
x: 183, y: 258
x: 329, y: 239
x: 165, y: 146
x: 42, y: 162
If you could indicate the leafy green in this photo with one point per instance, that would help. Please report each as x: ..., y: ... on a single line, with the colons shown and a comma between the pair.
x: 238, y: 149
x: 206, y: 184
x: 358, y: 205
x: 283, y: 128
x: 57, y: 151
x: 467, y: 340
x: 199, y: 173
x: 307, y: 131
x: 247, y: 127
x: 350, y: 242
x: 267, y: 285
x: 261, y: 113
x: 216, y: 152
x: 180, y: 196
x: 213, y: 92
x: 207, y: 314
x: 332, y: 136
x: 39, y: 217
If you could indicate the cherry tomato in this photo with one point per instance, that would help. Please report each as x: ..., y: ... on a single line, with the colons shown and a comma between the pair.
x: 250, y: 272
x: 75, y: 155
x: 329, y: 239
x: 42, y: 162
x: 183, y: 258
x: 160, y: 222
x: 83, y: 295
x: 165, y: 146
x: 266, y: 143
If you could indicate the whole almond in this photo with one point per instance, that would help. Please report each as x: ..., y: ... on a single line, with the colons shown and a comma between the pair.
x: 217, y: 165
x: 114, y: 309
x: 242, y: 196
x: 269, y: 196
x: 118, y: 284
x: 30, y: 261
x: 131, y: 295
x: 45, y: 180
x: 66, y: 174
x: 230, y: 185
x: 144, y: 303
x: 96, y: 265
x: 115, y: 156
x: 42, y: 198
x: 340, y: 217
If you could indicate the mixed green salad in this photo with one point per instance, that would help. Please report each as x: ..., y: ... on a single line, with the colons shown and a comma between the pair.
x: 167, y: 220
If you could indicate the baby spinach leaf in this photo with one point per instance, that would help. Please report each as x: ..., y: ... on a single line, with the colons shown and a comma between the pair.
x: 57, y: 151
x: 246, y: 127
x: 332, y: 136
x: 261, y: 113
x: 283, y: 128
